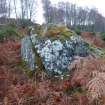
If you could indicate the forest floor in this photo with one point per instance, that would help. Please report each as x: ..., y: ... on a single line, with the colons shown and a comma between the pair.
x: 18, y: 88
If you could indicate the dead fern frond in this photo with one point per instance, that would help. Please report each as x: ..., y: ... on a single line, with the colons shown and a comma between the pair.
x: 96, y: 87
x: 83, y: 69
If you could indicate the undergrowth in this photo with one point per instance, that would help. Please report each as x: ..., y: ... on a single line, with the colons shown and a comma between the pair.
x: 8, y: 32
x: 54, y: 32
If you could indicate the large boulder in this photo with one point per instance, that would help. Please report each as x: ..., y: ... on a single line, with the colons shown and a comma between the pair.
x: 56, y: 47
x: 55, y: 54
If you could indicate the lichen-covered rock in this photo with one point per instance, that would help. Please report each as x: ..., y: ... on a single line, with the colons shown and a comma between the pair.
x: 27, y: 52
x: 55, y: 54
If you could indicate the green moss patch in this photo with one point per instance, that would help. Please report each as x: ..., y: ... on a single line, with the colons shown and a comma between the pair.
x: 99, y: 52
x: 7, y: 32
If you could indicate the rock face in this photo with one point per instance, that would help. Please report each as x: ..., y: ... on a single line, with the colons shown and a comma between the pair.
x: 55, y: 54
x: 27, y: 52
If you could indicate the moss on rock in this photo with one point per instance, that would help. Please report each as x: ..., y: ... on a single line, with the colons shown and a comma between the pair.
x: 96, y: 51
x: 54, y: 31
